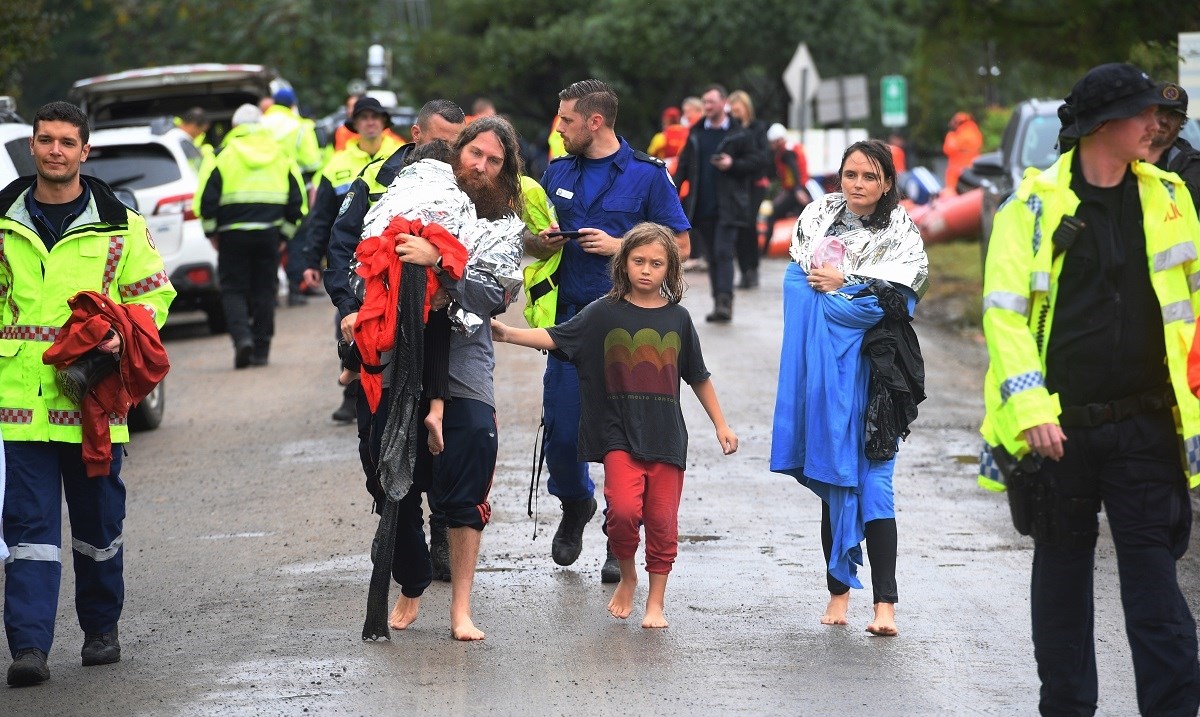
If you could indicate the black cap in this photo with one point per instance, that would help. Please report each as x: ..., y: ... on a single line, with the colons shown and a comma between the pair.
x: 1172, y: 97
x: 368, y: 104
x: 1108, y: 92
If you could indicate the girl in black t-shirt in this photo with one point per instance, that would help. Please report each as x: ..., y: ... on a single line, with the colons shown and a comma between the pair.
x: 631, y: 350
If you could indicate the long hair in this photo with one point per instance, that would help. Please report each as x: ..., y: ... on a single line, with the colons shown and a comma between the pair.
x: 878, y: 153
x: 743, y: 97
x: 510, y: 174
x: 641, y: 235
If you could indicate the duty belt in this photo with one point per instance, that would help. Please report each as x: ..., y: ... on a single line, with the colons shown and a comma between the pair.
x: 1097, y: 414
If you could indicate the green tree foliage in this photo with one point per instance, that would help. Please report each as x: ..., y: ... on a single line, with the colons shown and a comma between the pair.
x: 26, y: 40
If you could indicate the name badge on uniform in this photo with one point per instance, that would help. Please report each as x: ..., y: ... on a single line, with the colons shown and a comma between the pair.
x: 564, y: 193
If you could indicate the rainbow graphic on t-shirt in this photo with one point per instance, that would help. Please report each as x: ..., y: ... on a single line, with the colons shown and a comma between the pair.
x: 646, y: 362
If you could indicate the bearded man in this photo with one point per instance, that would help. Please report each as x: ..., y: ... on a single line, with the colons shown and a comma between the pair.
x: 486, y: 165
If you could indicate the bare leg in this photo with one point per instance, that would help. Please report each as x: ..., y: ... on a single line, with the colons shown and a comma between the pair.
x: 884, y: 623
x: 835, y: 612
x: 433, y: 422
x: 464, y: 553
x: 621, y: 603
x: 404, y: 613
x: 347, y: 377
x: 656, y: 600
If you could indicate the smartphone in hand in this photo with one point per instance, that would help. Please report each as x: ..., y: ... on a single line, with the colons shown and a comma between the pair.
x: 567, y: 235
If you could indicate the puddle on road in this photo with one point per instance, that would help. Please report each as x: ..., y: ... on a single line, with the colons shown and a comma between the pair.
x: 698, y: 538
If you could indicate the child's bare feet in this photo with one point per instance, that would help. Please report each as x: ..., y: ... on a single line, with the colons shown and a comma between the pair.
x: 655, y: 601
x: 347, y: 377
x: 463, y: 628
x: 621, y: 603
x: 404, y: 613
x: 884, y: 623
x: 434, y: 425
x: 835, y: 611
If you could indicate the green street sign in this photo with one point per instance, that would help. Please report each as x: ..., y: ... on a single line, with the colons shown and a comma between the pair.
x: 894, y: 102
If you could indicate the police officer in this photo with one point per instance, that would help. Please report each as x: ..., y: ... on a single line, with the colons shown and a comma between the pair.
x: 601, y: 188
x: 1168, y: 150
x: 1089, y: 309
x: 369, y: 121
x: 62, y: 233
x: 250, y: 197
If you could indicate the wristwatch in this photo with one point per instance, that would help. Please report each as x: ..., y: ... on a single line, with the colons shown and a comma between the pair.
x: 437, y: 267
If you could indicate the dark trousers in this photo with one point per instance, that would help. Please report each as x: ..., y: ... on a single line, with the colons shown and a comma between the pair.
x: 38, y: 474
x: 719, y: 241
x: 410, y: 558
x: 747, y: 239
x: 881, y: 542
x: 460, y: 477
x: 569, y: 477
x: 247, y: 265
x: 1133, y: 468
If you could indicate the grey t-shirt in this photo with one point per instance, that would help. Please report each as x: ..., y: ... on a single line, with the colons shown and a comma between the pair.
x: 630, y: 361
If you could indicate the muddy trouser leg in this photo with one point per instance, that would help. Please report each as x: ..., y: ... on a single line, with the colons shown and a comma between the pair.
x: 881, y: 553
x: 836, y: 587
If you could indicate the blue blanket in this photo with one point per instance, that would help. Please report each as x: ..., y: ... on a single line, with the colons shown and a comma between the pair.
x: 818, y: 434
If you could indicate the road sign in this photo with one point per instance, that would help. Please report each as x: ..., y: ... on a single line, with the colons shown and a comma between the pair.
x: 794, y: 75
x: 893, y: 91
x: 843, y: 99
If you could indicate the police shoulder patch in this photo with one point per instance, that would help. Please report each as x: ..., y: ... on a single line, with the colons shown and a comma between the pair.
x: 346, y: 202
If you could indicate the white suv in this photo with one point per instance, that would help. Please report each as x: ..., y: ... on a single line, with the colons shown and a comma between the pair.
x: 159, y: 167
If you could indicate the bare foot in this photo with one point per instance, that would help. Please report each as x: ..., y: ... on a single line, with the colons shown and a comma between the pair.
x: 434, y: 441
x: 404, y: 613
x: 347, y: 377
x: 654, y: 618
x: 464, y: 629
x: 835, y: 611
x: 884, y: 623
x: 622, y: 600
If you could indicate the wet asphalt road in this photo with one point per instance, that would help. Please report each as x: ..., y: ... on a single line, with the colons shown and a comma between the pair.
x: 247, y: 564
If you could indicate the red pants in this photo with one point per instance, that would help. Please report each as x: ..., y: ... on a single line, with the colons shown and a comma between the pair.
x: 643, y: 492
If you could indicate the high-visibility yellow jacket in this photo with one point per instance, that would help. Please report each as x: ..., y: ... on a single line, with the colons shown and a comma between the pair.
x: 1020, y: 290
x: 297, y: 136
x: 250, y: 185
x: 345, y: 165
x: 107, y: 249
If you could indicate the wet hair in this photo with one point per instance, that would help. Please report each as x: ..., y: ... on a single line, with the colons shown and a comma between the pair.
x: 641, y: 235
x: 880, y: 154
x: 510, y: 174
x: 63, y: 112
x: 445, y: 109
x: 593, y: 97
x: 744, y: 98
x: 438, y: 149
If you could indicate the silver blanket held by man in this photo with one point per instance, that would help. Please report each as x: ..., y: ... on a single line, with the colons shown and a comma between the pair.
x: 427, y: 191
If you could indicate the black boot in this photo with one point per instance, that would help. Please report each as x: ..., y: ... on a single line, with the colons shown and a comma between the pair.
x: 242, y: 351
x: 749, y: 279
x: 439, y: 552
x: 611, y: 572
x: 28, y: 668
x: 568, y: 539
x: 77, y: 379
x: 100, y: 648
x: 722, y: 309
x: 348, y: 411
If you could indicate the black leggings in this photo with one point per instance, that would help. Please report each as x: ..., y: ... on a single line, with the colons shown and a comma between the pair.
x: 881, y: 552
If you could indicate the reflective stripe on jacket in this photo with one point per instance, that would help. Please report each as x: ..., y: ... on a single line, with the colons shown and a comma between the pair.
x: 107, y: 249
x: 250, y: 185
x: 1021, y: 285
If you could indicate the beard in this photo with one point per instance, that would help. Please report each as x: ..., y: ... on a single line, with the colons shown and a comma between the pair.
x: 577, y: 146
x: 490, y: 198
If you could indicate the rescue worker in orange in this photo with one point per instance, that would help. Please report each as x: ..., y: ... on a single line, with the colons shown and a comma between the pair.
x: 962, y: 145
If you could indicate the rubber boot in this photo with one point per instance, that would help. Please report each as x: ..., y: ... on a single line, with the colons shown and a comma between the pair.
x: 611, y: 572
x: 348, y: 411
